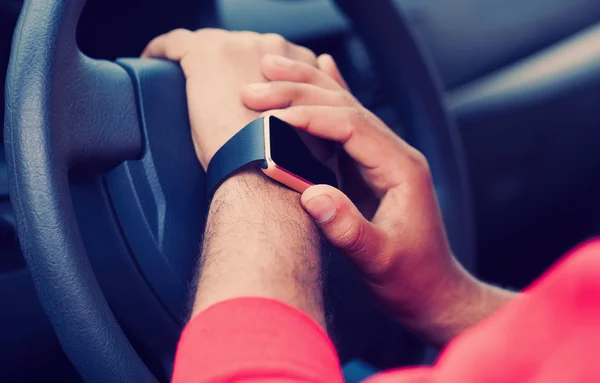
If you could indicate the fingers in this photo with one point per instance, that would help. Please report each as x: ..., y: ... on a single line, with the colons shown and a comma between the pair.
x: 303, y: 54
x: 279, y: 68
x: 173, y: 45
x: 383, y: 159
x: 341, y: 223
x: 280, y: 95
x: 327, y: 122
x: 327, y: 64
x: 273, y: 42
x: 350, y: 126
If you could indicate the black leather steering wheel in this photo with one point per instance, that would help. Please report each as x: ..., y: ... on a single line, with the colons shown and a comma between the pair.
x: 68, y: 116
x: 415, y: 89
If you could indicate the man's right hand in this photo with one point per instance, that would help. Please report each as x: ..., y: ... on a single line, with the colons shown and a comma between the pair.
x: 216, y: 64
x: 402, y: 251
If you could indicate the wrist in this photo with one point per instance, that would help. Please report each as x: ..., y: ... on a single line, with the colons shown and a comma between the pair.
x: 250, y: 198
x: 260, y: 242
x: 262, y: 211
x: 459, y: 302
x: 250, y: 185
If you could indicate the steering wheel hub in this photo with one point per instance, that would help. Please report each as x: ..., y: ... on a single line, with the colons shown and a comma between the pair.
x: 160, y: 199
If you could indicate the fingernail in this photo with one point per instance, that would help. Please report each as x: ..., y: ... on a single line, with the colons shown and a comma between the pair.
x: 259, y: 87
x: 282, y: 61
x: 321, y: 208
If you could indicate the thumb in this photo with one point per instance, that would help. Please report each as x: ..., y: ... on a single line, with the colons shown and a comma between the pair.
x: 341, y: 222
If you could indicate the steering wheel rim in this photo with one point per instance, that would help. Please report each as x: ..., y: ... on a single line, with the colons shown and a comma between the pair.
x: 49, y: 135
x: 415, y: 89
x: 45, y: 141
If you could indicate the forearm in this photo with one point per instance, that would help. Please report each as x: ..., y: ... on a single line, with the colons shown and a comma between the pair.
x: 259, y: 242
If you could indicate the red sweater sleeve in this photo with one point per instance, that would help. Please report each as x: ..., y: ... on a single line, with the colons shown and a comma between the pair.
x: 548, y: 335
x: 551, y: 334
x: 255, y: 340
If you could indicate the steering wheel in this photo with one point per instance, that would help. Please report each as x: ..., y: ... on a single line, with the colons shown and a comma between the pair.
x: 109, y: 214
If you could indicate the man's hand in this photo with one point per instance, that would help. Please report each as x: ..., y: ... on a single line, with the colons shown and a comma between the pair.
x: 402, y: 251
x: 217, y: 64
x: 258, y: 240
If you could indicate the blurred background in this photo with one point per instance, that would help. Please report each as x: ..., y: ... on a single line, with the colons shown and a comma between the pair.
x: 521, y: 78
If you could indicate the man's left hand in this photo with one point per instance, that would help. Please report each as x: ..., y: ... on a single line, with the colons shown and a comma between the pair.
x: 217, y: 64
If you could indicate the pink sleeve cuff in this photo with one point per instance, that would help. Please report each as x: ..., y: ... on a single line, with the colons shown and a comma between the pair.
x: 250, y: 339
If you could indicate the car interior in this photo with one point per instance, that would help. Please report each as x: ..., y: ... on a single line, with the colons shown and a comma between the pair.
x: 102, y: 200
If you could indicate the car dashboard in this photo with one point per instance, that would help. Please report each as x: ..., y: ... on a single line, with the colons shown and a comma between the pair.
x: 466, y: 39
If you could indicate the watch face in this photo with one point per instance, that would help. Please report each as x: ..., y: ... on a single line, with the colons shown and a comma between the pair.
x: 289, y: 152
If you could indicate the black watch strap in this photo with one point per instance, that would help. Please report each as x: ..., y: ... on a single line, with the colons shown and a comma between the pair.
x: 246, y: 147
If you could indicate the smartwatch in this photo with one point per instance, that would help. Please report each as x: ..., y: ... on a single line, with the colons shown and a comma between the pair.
x: 275, y: 147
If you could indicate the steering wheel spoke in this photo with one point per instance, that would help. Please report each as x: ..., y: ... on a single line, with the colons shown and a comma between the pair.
x: 84, y: 107
x: 96, y: 116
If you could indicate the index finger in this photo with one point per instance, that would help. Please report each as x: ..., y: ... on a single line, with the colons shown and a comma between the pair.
x: 368, y: 144
x: 378, y: 150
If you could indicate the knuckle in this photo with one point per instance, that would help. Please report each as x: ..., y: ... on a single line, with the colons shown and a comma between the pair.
x: 356, y: 117
x: 385, y: 267
x: 176, y: 42
x: 352, y: 118
x: 175, y: 38
x: 307, y: 73
x: 297, y: 91
x: 248, y: 34
x: 345, y: 97
x: 287, y: 96
x: 307, y: 54
x: 179, y: 33
x: 246, y: 39
x: 275, y: 41
x: 311, y: 54
x: 236, y: 48
x: 210, y: 32
x: 421, y: 168
x: 352, y: 239
x: 209, y: 37
x: 421, y: 162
